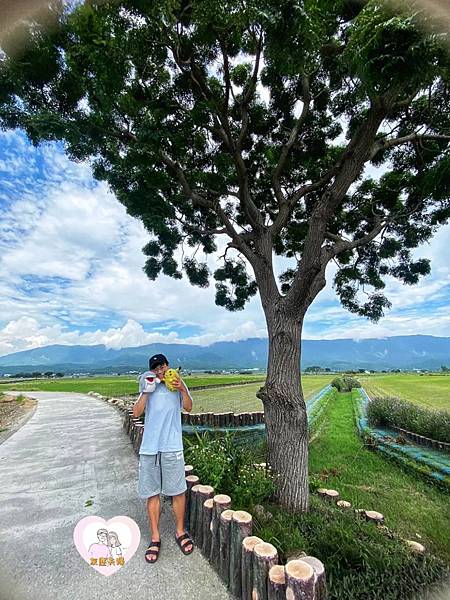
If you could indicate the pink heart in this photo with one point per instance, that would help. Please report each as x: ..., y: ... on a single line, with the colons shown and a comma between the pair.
x: 107, y: 545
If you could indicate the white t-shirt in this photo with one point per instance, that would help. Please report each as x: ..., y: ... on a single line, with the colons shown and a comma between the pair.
x: 162, y: 425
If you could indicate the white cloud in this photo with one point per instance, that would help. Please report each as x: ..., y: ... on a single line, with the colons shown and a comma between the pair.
x: 72, y: 257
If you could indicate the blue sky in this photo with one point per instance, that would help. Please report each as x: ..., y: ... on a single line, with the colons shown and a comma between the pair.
x: 71, y: 272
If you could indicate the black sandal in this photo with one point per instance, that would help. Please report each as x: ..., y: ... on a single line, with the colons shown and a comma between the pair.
x: 185, y: 536
x: 152, y: 552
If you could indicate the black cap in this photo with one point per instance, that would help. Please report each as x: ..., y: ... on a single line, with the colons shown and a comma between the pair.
x: 156, y: 360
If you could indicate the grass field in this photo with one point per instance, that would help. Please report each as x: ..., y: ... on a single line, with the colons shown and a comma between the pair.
x: 118, y: 386
x: 235, y: 398
x: 243, y: 399
x: 410, y: 505
x: 431, y: 391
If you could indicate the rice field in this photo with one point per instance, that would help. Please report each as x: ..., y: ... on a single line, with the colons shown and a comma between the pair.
x: 243, y: 398
x: 429, y: 390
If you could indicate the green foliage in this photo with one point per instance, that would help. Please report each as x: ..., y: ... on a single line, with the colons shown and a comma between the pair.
x: 161, y: 98
x: 390, y: 411
x: 229, y: 469
x: 345, y: 383
x: 357, y: 555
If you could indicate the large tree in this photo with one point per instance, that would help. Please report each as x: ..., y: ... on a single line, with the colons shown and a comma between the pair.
x: 254, y: 120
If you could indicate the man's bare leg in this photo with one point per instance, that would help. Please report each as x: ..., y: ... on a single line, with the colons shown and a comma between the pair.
x: 153, y: 510
x: 179, y: 505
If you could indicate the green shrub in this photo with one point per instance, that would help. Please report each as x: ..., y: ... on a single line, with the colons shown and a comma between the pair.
x: 229, y: 469
x: 345, y: 383
x: 361, y: 561
x: 394, y: 412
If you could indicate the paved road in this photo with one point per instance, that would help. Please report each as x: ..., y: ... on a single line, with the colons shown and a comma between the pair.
x: 73, y: 449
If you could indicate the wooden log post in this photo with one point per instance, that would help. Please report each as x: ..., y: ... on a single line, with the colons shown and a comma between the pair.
x: 248, y: 545
x: 265, y: 556
x: 191, y: 480
x: 241, y: 527
x: 276, y: 583
x: 343, y: 504
x: 127, y: 418
x: 373, y: 516
x: 299, y: 580
x: 221, y: 502
x: 205, y: 492
x: 320, y: 586
x: 224, y: 545
x: 188, y: 470
x: 195, y: 489
x: 208, y: 507
x: 138, y: 433
x: 330, y: 495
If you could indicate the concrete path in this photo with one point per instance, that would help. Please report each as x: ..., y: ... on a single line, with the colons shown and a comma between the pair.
x: 72, y: 449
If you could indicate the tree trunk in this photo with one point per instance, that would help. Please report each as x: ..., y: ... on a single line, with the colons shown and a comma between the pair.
x: 285, y: 411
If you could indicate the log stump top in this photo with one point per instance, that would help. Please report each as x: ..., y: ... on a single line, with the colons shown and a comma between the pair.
x: 265, y: 550
x: 416, y: 547
x: 193, y: 478
x: 227, y: 514
x: 208, y: 503
x: 276, y: 574
x: 315, y: 563
x: 298, y: 569
x: 206, y: 489
x: 196, y: 488
x: 250, y: 542
x: 343, y: 504
x: 241, y: 516
x: 373, y: 515
x: 222, y: 499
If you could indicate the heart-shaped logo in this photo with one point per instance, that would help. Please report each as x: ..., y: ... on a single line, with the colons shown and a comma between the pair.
x: 107, y: 545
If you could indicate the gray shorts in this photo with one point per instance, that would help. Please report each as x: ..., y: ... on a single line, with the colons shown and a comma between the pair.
x: 161, y: 473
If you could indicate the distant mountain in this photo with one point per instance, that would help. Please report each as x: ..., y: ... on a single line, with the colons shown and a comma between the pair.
x: 399, y: 352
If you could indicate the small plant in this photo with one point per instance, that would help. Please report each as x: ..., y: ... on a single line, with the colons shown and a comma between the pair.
x: 345, y: 383
x: 229, y: 468
x: 394, y: 412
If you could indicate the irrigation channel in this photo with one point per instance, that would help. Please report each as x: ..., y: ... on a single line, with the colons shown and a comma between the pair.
x: 431, y: 462
x: 255, y: 434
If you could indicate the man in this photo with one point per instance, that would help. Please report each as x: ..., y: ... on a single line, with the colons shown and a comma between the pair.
x: 161, y: 457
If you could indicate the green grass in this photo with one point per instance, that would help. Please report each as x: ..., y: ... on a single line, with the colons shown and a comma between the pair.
x: 118, y: 386
x: 243, y: 399
x: 432, y: 391
x: 238, y: 399
x: 410, y: 506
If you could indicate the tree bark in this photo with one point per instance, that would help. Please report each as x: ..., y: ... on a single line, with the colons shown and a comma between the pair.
x: 285, y: 410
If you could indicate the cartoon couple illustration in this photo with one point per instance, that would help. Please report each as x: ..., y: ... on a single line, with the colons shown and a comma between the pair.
x: 108, y: 545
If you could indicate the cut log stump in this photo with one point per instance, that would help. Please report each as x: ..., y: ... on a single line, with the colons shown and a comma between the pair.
x: 241, y: 527
x: 248, y: 545
x: 299, y: 580
x: 221, y: 502
x: 265, y: 556
x: 276, y: 583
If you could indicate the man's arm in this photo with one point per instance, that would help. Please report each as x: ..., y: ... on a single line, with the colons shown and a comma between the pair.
x: 186, y: 398
x: 139, y: 405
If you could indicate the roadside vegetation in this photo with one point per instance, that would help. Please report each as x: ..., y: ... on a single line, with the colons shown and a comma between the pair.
x: 357, y: 555
x: 431, y: 390
x: 393, y: 412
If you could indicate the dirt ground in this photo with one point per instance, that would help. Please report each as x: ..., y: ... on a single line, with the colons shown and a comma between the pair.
x: 12, y: 411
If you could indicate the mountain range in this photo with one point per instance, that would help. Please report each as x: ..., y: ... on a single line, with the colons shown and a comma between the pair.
x: 398, y: 352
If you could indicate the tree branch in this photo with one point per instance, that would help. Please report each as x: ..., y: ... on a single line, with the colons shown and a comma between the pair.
x: 384, y: 144
x: 189, y: 192
x: 341, y: 245
x: 291, y: 141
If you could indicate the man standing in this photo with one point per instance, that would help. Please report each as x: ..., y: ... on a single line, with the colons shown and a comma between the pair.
x: 161, y: 457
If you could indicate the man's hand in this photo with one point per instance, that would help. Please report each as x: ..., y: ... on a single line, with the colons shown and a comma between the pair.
x: 180, y: 385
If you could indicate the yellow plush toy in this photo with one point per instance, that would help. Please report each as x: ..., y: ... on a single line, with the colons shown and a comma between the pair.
x: 170, y: 376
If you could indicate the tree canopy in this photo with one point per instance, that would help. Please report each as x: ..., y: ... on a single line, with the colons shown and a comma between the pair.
x: 255, y: 120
